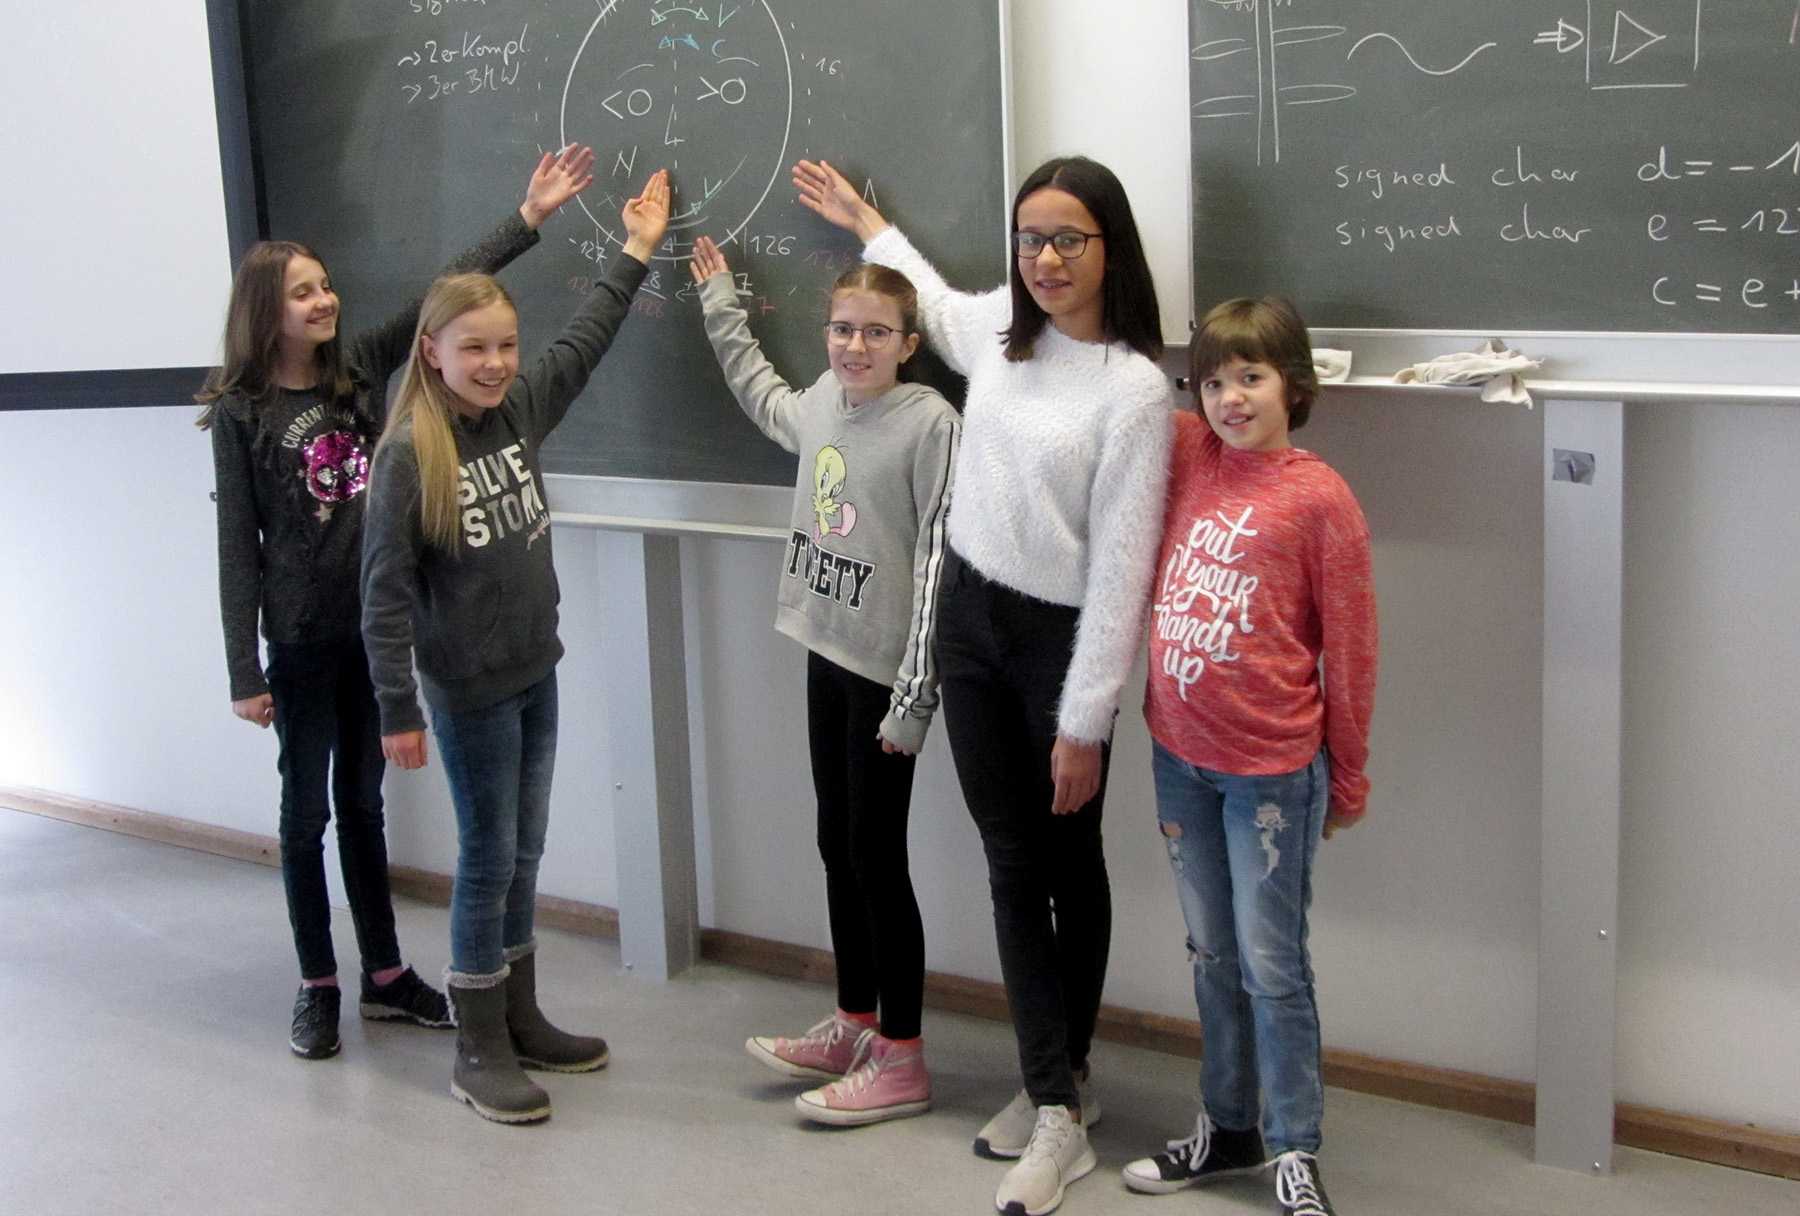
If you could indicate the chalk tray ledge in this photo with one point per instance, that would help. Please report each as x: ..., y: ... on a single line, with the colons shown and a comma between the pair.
x: 670, y: 508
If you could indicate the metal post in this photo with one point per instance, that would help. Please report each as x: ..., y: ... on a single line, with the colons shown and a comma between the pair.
x: 1578, y: 920
x: 653, y: 807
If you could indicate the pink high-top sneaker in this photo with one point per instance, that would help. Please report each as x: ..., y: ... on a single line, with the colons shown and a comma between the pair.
x: 892, y: 1084
x: 826, y: 1052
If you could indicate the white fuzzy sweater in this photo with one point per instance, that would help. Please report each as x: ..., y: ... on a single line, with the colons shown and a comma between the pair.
x: 1061, y: 477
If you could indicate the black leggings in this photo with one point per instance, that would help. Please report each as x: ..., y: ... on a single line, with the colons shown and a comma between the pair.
x: 864, y: 794
x: 1003, y: 656
x: 326, y: 719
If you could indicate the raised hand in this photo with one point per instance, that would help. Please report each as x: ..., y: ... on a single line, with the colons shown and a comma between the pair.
x: 647, y: 217
x: 825, y: 190
x: 707, y: 260
x: 559, y: 177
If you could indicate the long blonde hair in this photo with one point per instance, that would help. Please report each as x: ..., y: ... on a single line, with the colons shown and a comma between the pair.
x: 426, y: 406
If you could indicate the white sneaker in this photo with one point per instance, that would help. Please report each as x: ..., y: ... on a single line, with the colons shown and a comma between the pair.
x: 1004, y: 1137
x: 1057, y: 1155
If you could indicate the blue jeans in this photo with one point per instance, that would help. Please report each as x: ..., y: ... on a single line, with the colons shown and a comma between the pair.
x: 499, y: 761
x: 326, y: 719
x: 1242, y: 850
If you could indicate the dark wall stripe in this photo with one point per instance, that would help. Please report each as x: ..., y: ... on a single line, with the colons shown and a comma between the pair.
x: 100, y: 389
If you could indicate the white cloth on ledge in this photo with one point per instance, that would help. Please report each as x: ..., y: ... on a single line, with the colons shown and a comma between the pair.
x: 1494, y: 367
x: 1331, y: 366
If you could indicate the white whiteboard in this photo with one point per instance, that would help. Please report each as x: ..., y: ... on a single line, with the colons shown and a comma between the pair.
x: 113, y: 245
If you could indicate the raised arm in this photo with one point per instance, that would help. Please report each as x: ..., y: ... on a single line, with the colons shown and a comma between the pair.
x: 830, y: 193
x: 559, y: 177
x: 959, y: 325
x: 375, y: 354
x: 770, y: 401
x: 543, y: 393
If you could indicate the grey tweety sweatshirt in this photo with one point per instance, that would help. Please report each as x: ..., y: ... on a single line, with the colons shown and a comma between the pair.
x: 866, y: 546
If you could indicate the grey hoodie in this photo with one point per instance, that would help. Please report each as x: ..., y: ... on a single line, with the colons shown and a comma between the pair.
x: 866, y: 548
x: 482, y: 619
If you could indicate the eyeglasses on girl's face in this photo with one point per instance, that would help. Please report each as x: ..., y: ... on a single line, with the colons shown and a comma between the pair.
x: 1068, y: 245
x: 874, y: 337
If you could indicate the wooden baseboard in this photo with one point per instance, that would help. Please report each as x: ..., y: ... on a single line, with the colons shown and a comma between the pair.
x: 1741, y: 1146
x: 165, y: 829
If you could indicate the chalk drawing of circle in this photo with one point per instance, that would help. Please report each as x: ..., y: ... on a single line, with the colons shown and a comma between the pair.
x: 703, y: 87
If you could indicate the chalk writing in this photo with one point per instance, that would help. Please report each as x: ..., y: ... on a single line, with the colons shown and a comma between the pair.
x: 706, y: 89
x: 464, y: 65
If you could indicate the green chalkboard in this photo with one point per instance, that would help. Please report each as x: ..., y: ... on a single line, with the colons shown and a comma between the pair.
x: 1572, y: 165
x: 389, y: 134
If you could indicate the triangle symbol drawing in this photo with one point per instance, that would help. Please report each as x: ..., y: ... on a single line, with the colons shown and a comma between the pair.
x: 1628, y: 42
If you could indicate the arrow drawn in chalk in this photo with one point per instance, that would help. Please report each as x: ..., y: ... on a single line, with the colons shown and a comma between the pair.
x: 1564, y: 37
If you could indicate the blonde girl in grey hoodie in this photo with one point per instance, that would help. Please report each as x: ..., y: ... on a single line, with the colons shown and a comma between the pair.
x: 858, y: 589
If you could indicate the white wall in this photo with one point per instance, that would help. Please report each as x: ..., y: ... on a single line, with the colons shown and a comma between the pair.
x: 1110, y: 81
x: 111, y: 196
x: 112, y: 687
x: 1710, y: 894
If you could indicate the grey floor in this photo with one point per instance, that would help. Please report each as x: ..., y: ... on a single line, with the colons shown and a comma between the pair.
x: 144, y: 994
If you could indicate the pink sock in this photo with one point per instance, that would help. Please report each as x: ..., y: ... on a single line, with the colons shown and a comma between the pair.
x: 329, y: 981
x: 386, y: 976
x: 867, y: 1020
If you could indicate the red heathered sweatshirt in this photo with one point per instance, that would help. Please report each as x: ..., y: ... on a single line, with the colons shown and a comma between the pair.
x: 1264, y: 567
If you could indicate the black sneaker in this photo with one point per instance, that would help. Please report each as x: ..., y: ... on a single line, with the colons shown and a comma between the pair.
x: 315, y: 1033
x: 1209, y: 1154
x: 1297, y: 1186
x: 407, y: 998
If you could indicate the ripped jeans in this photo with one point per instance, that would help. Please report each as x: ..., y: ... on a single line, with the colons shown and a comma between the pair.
x: 1242, y: 850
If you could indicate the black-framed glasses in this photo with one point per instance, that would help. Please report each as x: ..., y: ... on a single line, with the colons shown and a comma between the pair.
x: 874, y: 337
x: 1068, y: 245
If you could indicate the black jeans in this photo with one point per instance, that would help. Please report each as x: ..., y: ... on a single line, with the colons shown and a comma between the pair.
x: 1003, y: 656
x: 864, y: 794
x: 330, y: 731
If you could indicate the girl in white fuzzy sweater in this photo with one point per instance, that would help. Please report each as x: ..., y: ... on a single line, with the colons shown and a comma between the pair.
x: 1059, y: 494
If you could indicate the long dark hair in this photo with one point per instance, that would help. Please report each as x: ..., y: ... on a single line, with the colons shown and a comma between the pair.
x: 253, y: 333
x: 1128, y: 293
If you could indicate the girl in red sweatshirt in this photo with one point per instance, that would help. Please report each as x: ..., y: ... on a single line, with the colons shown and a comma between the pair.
x: 1262, y: 679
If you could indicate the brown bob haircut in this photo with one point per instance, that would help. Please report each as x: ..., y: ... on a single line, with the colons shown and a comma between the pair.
x: 1269, y: 331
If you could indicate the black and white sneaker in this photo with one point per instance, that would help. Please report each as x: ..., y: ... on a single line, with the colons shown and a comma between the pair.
x: 1297, y: 1186
x: 406, y: 998
x: 315, y: 1032
x: 1209, y: 1154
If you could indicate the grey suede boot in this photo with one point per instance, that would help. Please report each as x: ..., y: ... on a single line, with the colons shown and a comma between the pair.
x: 488, y: 1076
x: 538, y: 1043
